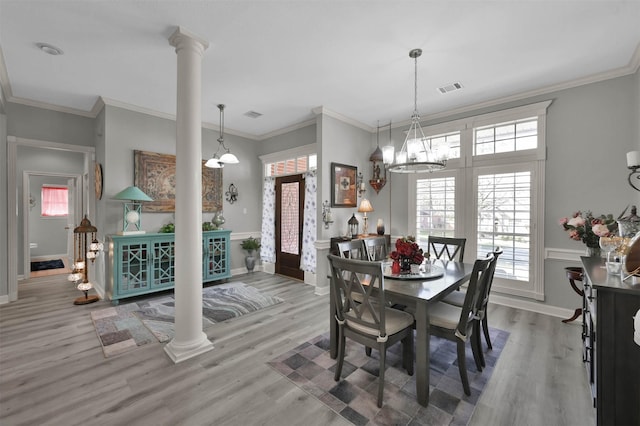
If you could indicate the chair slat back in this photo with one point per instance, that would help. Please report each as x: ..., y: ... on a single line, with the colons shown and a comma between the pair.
x: 484, y: 297
x: 447, y: 248
x: 376, y: 248
x: 356, y: 284
x: 353, y: 249
x: 473, y: 298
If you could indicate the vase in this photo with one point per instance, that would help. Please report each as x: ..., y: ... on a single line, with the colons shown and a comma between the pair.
x: 250, y: 260
x: 380, y: 227
x: 593, y: 251
x: 395, y: 267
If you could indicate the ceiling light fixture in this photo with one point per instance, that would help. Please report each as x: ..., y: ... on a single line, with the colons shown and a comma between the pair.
x: 50, y: 49
x: 417, y: 155
x: 216, y: 162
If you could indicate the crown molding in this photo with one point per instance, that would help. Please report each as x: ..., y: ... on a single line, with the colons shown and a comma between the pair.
x: 325, y: 111
x: 287, y: 129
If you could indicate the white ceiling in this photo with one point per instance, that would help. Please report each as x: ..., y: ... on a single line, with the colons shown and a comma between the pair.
x: 284, y: 58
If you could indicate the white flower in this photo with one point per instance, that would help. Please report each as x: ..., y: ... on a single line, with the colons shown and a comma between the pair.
x: 576, y: 221
x: 600, y: 230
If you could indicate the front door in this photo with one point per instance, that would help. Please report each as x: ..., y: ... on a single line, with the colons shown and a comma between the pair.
x: 289, y: 220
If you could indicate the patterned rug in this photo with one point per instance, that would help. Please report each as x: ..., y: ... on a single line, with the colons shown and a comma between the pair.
x: 355, y: 397
x: 44, y: 265
x: 125, y: 327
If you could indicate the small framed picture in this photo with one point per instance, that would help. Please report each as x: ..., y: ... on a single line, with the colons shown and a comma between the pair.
x: 343, y: 185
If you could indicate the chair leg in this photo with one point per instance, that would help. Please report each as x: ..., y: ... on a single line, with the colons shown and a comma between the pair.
x: 341, y: 345
x: 407, y: 354
x: 367, y: 350
x: 383, y: 360
x: 462, y: 367
x: 476, y: 346
x: 485, y: 328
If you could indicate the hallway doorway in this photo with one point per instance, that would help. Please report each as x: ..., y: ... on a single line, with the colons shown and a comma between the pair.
x: 289, y: 222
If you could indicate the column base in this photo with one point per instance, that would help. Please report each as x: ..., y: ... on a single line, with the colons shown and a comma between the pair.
x: 179, y: 353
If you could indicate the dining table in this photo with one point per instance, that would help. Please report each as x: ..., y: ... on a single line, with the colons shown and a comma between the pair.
x: 417, y: 293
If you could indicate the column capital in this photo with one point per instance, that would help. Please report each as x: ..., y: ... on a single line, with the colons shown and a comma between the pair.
x: 182, y: 38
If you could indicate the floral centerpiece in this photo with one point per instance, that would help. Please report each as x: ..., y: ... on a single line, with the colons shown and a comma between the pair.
x: 585, y: 227
x: 407, y: 252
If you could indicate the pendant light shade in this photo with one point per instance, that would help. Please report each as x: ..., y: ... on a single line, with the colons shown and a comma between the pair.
x: 417, y: 155
x: 227, y: 157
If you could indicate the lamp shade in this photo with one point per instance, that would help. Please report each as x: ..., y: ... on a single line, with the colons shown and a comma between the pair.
x: 132, y: 193
x: 229, y: 158
x: 365, y: 206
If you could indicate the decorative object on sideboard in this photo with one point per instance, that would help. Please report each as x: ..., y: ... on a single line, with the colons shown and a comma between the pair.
x: 380, y: 227
x: 353, y: 226
x: 379, y: 168
x: 419, y: 154
x: 86, y: 248
x: 227, y: 157
x: 633, y: 164
x: 365, y: 207
x: 629, y: 226
x: 327, y: 216
x: 250, y: 245
x: 132, y: 209
x: 343, y: 185
x: 585, y: 227
x: 232, y: 194
x: 218, y: 220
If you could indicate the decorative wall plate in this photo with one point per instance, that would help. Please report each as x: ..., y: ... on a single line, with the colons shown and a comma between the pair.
x: 98, y: 181
x: 632, y: 260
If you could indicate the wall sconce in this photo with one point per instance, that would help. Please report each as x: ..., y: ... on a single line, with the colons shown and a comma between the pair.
x: 32, y: 202
x: 232, y: 194
x: 85, y: 248
x: 132, y: 210
x: 360, y: 186
x: 327, y: 218
x: 633, y: 164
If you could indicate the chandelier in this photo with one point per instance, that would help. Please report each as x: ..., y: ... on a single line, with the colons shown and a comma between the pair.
x: 227, y: 157
x: 418, y: 153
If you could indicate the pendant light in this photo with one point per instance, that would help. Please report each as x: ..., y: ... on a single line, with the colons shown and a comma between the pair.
x: 227, y: 157
x: 417, y: 155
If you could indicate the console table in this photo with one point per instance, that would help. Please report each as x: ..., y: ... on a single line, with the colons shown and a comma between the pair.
x: 145, y: 263
x: 611, y: 356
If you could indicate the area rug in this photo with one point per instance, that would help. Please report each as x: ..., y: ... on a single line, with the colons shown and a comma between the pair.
x: 125, y: 327
x: 355, y: 397
x: 44, y: 265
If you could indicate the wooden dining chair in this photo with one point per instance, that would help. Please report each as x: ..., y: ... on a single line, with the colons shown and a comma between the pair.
x: 457, y: 299
x: 446, y: 248
x: 367, y: 321
x: 375, y: 248
x: 353, y: 249
x: 457, y: 323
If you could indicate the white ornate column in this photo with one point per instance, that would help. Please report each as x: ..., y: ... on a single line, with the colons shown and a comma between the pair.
x: 189, y: 339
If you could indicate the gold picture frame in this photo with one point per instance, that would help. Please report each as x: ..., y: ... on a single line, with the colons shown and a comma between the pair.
x: 155, y: 175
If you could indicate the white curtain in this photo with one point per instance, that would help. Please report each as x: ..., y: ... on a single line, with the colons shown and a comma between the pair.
x: 268, y: 237
x: 308, y: 259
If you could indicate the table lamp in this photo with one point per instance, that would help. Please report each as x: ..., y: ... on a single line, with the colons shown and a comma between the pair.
x: 365, y: 207
x: 132, y: 209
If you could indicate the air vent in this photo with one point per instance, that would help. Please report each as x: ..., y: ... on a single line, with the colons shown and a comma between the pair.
x: 253, y: 114
x: 450, y: 88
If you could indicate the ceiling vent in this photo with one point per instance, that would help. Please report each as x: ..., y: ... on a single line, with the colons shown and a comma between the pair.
x: 253, y: 114
x: 450, y: 88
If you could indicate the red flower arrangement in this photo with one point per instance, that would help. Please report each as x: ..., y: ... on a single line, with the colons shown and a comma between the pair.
x: 408, y: 250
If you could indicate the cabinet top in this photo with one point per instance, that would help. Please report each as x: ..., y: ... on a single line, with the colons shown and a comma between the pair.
x: 596, y: 271
x: 169, y: 235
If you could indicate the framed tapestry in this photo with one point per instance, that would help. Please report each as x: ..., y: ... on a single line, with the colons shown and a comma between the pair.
x: 343, y: 185
x: 155, y: 175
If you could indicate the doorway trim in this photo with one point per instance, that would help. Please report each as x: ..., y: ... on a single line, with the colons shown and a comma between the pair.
x: 26, y: 230
x: 13, y: 143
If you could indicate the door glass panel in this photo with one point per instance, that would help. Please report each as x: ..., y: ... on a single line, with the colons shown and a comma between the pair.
x: 290, y: 218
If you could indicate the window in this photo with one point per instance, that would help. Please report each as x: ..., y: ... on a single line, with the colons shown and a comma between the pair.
x: 491, y: 193
x: 55, y: 201
x: 291, y: 166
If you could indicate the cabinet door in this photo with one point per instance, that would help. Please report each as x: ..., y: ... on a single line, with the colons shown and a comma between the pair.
x: 163, y: 264
x: 134, y: 268
x: 215, y: 257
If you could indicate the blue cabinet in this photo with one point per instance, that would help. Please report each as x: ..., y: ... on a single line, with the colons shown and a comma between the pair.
x: 145, y: 263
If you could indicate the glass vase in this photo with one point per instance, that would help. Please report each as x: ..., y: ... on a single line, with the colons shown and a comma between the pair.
x: 593, y: 251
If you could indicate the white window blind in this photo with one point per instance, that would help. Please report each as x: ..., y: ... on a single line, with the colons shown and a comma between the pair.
x: 435, y: 208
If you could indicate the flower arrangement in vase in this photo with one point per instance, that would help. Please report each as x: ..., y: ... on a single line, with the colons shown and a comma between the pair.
x: 407, y: 253
x: 585, y: 227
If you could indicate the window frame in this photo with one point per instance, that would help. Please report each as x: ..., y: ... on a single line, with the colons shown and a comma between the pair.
x: 466, y: 169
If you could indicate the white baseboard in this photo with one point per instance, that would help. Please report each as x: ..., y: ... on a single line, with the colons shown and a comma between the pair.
x: 540, y: 308
x: 4, y: 299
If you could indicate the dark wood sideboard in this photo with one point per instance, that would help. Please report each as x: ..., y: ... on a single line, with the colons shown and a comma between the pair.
x: 611, y: 356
